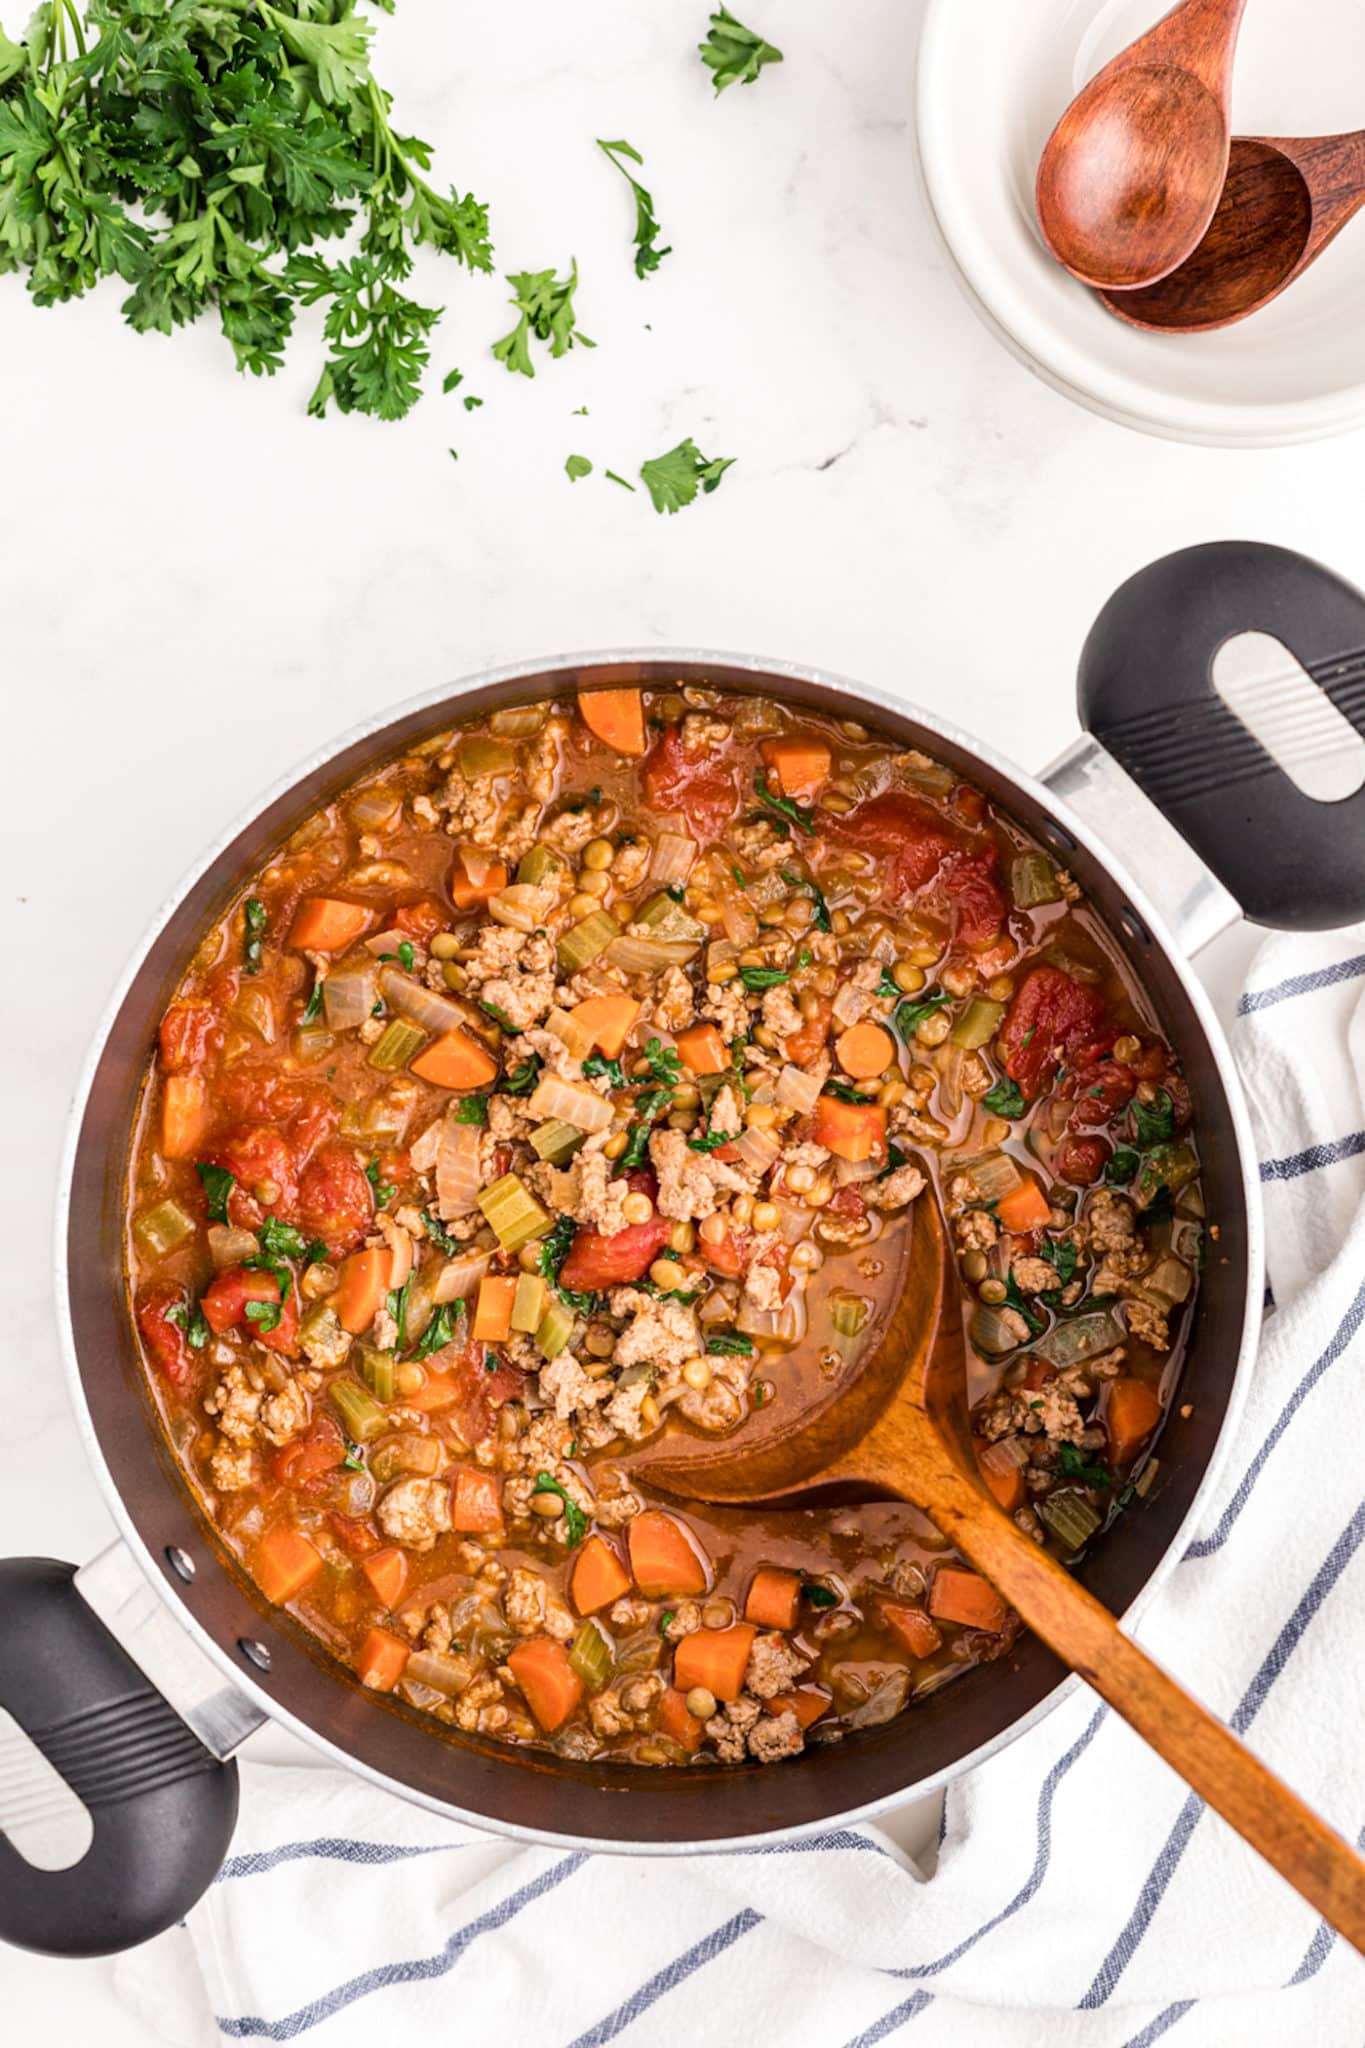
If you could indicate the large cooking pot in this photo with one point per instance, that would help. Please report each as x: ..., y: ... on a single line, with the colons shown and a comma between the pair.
x: 125, y: 1687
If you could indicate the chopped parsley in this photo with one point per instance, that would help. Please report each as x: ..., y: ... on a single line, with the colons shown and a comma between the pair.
x: 664, y: 1620
x: 818, y: 1594
x: 843, y: 1091
x: 648, y: 256
x: 440, y: 1331
x: 191, y: 1320
x: 256, y: 923
x: 674, y: 479
x: 384, y: 1190
x: 663, y: 1063
x: 912, y: 1011
x: 265, y: 1315
x: 637, y: 1148
x: 597, y: 1063
x: 545, y: 307
x: 353, y: 1460
x: 1019, y: 1302
x: 523, y: 1078
x: 711, y: 1141
x: 763, y: 977
x: 1005, y: 1099
x: 439, y: 1235
x: 281, y: 1241
x: 473, y: 1109
x: 1154, y: 1121
x: 396, y: 1302
x: 575, y: 1521
x: 1072, y: 1462
x: 1122, y: 1166
x: 730, y: 1344
x: 550, y: 1256
x: 217, y: 1184
x: 783, y: 807
x: 500, y: 1017
x: 1061, y: 1253
x: 734, y: 54
x: 613, y: 478
x: 820, y: 919
x: 314, y: 1004
x: 577, y: 466
x: 405, y: 956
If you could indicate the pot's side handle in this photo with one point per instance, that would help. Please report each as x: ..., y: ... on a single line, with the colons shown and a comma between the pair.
x: 1146, y: 693
x: 114, y: 1814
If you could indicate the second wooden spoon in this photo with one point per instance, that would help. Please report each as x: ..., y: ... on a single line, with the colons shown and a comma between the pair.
x: 899, y: 1427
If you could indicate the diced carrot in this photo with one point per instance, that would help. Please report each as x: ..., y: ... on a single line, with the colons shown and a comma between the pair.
x: 913, y: 1626
x: 423, y: 919
x: 774, y: 1598
x: 851, y: 1130
x: 438, y: 1390
x: 865, y: 1050
x: 702, y: 1050
x: 493, y: 1311
x: 599, y: 1577
x: 387, y: 1572
x: 284, y: 1562
x: 807, y: 1044
x: 476, y: 1503
x: 799, y: 762
x: 455, y: 1060
x: 965, y: 1597
x: 469, y: 891
x: 380, y: 1660
x: 1006, y: 1484
x: 664, y: 1556
x: 676, y: 1723
x: 324, y: 924
x: 808, y: 1703
x: 608, y: 1018
x: 616, y: 717
x: 361, y: 1288
x: 1130, y: 1412
x: 549, y: 1684
x: 716, y: 1658
x: 184, y: 1114
x: 1024, y: 1208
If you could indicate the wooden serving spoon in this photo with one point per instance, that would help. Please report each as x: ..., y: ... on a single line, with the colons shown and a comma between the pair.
x: 1131, y: 174
x: 1283, y: 202
x: 898, y: 1425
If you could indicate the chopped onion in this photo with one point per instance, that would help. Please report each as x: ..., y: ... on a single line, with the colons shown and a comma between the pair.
x: 720, y: 953
x: 358, y: 1497
x: 948, y: 1059
x: 793, y: 1222
x: 674, y: 857
x: 850, y: 1003
x: 642, y: 956
x: 784, y: 1325
x: 799, y: 1090
x: 571, y: 1102
x: 522, y: 905
x: 1006, y: 1456
x: 741, y: 926
x: 387, y: 941
x: 457, y: 1280
x: 446, y: 1675
x: 991, y: 1334
x: 758, y: 1149
x: 374, y: 808
x: 847, y: 1171
x: 518, y: 721
x: 479, y: 863
x: 457, y: 1166
x: 411, y: 999
x: 348, y: 997
x: 228, y: 1247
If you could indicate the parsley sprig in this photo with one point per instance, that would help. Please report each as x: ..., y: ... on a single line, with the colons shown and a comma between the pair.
x: 674, y: 479
x: 575, y: 1521
x: 545, y: 305
x: 782, y: 807
x: 734, y: 54
x: 648, y: 256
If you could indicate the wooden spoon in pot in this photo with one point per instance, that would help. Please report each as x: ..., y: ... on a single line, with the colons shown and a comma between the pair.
x: 898, y: 1426
x: 1284, y: 201
x: 1131, y: 174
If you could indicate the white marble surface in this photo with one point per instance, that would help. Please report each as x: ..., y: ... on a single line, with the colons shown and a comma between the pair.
x: 198, y: 584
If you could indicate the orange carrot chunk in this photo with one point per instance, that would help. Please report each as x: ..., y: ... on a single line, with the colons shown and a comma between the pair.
x: 599, y: 1577
x: 284, y: 1562
x: 702, y: 1050
x: 966, y: 1598
x: 1005, y: 1482
x: 387, y: 1572
x: 324, y: 924
x: 851, y: 1130
x: 664, y: 1557
x: 455, y: 1060
x: 361, y: 1288
x: 380, y: 1660
x: 493, y: 1311
x: 799, y: 763
x: 774, y: 1598
x: 913, y: 1627
x: 1130, y: 1412
x: 474, y: 878
x: 549, y: 1684
x: 808, y: 1703
x: 676, y: 1723
x: 1023, y: 1208
x: 865, y: 1050
x: 438, y: 1390
x: 476, y: 1502
x: 616, y: 717
x: 608, y: 1018
x: 184, y: 1115
x: 716, y: 1658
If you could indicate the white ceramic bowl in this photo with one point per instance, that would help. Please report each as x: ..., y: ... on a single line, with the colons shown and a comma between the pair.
x: 994, y: 75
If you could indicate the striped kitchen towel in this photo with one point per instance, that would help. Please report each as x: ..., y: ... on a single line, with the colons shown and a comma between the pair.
x: 1082, y: 1898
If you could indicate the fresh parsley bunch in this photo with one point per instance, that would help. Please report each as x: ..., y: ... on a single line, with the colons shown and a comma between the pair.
x: 202, y: 151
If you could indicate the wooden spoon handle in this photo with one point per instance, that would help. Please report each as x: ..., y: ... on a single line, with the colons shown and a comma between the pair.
x: 1200, y: 37
x: 1313, y: 1858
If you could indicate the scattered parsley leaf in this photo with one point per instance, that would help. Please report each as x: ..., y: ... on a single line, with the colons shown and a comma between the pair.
x: 783, y: 806
x: 545, y: 304
x: 1005, y: 1099
x: 673, y: 480
x: 522, y: 1078
x: 281, y: 1241
x: 733, y: 54
x: 405, y: 956
x: 763, y: 977
x: 647, y: 256
x: 217, y: 1184
x: 664, y: 1620
x: 575, y: 1521
x: 1073, y: 1464
x: 192, y: 1321
x: 711, y: 1141
x: 1154, y: 1121
x: 844, y: 1091
x: 597, y: 1063
x: 637, y: 1148
x: 265, y: 1315
x: 819, y: 1595
x: 820, y: 917
x: 440, y: 1331
x: 470, y: 403
x: 730, y: 1344
x: 396, y: 1301
x: 354, y: 1460
x: 314, y: 1004
x: 1122, y: 1167
x: 439, y: 1235
x: 664, y: 1063
x: 473, y: 1109
x: 500, y: 1018
x: 384, y: 1190
x: 451, y: 379
x: 577, y: 466
x: 255, y: 923
x: 912, y: 1010
x: 613, y: 478
x: 1020, y: 1303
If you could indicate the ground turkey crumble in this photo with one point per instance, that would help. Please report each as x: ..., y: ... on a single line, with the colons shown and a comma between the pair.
x: 692, y: 1184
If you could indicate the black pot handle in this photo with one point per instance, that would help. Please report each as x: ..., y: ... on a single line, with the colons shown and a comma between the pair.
x: 153, y: 1810
x: 1145, y: 691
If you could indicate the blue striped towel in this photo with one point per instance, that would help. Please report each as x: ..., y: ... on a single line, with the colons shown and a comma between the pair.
x: 1082, y: 1898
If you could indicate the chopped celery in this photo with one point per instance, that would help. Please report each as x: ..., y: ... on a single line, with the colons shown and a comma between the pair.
x: 582, y: 943
x: 978, y: 1024
x: 397, y: 1045
x: 1190, y: 1200
x: 556, y: 1141
x: 556, y: 1327
x: 591, y: 1656
x: 378, y: 1369
x: 570, y: 1032
x: 847, y: 1313
x: 1165, y: 1166
x: 528, y: 1303
x: 325, y: 1344
x: 541, y: 864
x: 519, y: 720
x: 1079, y: 1337
x: 361, y: 1415
x: 1187, y: 1240
x: 667, y: 919
x: 161, y: 1229
x: 480, y: 756
x: 993, y: 1174
x: 312, y: 1042
x: 513, y: 1212
x: 1071, y: 1517
x: 1033, y: 881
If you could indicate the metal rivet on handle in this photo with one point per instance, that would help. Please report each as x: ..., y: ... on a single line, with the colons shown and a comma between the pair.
x: 254, y: 1652
x: 180, y: 1562
x: 1059, y: 840
x: 1134, y: 926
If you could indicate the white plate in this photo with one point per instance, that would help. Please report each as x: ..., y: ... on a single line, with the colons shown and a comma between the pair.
x: 993, y: 77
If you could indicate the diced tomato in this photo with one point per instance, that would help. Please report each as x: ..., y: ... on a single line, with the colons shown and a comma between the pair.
x: 847, y: 1202
x: 335, y: 1201
x: 163, y: 1338
x: 596, y: 1261
x: 353, y: 1535
x: 227, y: 1297
x: 260, y: 1158
x: 314, y: 1122
x: 421, y: 919
x: 479, y: 1392
x: 729, y: 1254
x: 1036, y: 1375
x: 806, y: 1044
x: 321, y: 1448
x: 1101, y: 1089
x: 189, y: 1033
x: 698, y: 784
x: 1051, y: 1017
x: 1082, y: 1160
x: 259, y: 1094
x: 923, y: 852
